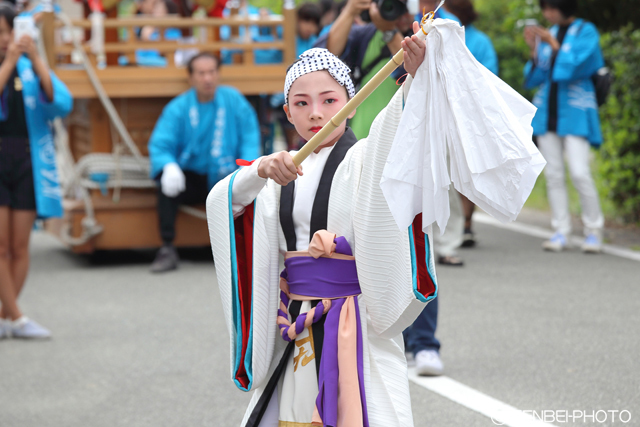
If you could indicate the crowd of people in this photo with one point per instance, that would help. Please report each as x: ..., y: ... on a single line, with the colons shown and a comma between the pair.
x: 203, y: 132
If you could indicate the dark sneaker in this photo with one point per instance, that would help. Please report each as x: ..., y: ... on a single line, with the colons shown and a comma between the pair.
x: 451, y: 260
x: 468, y: 238
x: 166, y: 260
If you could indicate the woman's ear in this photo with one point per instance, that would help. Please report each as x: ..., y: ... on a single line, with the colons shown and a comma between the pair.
x: 353, y: 113
x: 285, y: 107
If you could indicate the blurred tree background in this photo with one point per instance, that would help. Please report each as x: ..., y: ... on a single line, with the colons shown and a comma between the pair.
x: 617, y: 162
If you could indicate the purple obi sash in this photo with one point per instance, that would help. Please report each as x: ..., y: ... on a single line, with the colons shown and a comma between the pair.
x: 321, y: 278
x: 333, y: 279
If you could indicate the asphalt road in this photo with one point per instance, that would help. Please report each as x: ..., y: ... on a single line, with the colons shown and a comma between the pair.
x: 535, y: 330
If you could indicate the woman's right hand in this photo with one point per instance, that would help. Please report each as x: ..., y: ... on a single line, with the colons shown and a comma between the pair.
x: 279, y: 167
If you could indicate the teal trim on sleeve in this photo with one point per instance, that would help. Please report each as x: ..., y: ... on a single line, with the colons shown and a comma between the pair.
x: 237, y: 320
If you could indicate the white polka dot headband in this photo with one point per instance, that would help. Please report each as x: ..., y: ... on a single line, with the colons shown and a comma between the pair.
x: 317, y: 59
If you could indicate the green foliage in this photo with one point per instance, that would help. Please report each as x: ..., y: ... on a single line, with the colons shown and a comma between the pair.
x: 501, y: 21
x: 276, y: 5
x: 619, y: 161
x: 610, y: 15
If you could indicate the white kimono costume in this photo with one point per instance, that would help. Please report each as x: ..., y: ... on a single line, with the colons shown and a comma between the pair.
x: 395, y: 269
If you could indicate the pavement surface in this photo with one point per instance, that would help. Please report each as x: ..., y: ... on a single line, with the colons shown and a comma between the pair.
x: 535, y: 330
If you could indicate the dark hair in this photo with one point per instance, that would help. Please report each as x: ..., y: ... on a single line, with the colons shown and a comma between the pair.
x: 463, y: 10
x: 8, y: 12
x: 568, y: 8
x: 202, y: 55
x: 172, y: 8
x: 310, y: 12
x: 326, y: 6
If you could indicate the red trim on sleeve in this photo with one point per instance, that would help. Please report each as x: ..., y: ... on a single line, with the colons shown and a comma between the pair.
x: 425, y: 284
x: 244, y: 255
x: 241, y: 162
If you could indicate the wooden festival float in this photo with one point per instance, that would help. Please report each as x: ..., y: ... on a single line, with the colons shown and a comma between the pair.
x: 109, y: 199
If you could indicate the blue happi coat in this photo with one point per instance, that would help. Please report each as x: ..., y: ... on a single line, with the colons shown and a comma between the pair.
x: 235, y: 135
x: 39, y: 112
x: 578, y: 59
x: 478, y: 43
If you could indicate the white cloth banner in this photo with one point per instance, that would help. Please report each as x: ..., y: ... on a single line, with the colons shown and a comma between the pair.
x: 463, y: 125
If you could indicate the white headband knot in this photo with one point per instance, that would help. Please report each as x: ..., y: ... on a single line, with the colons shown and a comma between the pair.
x: 317, y: 59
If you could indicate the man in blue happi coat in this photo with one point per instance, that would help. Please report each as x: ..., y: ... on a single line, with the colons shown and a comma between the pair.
x: 195, y: 143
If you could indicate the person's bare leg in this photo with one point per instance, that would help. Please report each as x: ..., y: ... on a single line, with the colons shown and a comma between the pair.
x: 467, y: 207
x: 8, y: 296
x: 21, y: 226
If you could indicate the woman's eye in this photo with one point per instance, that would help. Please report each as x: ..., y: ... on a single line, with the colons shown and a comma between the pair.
x: 301, y: 103
x: 330, y: 101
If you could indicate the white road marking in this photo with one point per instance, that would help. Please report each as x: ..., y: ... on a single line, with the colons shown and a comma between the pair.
x: 500, y: 413
x: 532, y: 230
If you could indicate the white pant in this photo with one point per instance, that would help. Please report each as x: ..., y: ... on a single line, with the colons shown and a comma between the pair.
x: 450, y: 241
x: 578, y: 153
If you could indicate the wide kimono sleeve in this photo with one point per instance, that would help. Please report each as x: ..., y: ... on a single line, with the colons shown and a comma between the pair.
x: 62, y: 102
x: 395, y: 267
x: 580, y: 59
x: 534, y: 75
x: 166, y: 137
x: 248, y: 129
x: 245, y: 251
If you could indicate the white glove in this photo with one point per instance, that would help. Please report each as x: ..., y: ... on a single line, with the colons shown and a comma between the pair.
x: 172, y: 181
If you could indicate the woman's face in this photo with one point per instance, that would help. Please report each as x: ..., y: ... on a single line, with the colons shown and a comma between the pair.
x: 6, y: 32
x: 314, y: 99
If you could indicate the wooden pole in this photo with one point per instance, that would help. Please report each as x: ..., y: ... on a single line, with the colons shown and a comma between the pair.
x: 350, y: 107
x: 48, y: 31
x: 289, y: 13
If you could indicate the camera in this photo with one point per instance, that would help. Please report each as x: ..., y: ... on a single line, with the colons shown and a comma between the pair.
x: 390, y: 10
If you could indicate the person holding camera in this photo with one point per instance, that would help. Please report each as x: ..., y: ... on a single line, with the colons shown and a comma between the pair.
x: 31, y: 96
x: 567, y: 124
x: 367, y: 48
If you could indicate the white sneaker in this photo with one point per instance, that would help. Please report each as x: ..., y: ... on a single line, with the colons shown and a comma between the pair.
x: 28, y: 329
x: 592, y: 244
x: 428, y: 363
x: 411, y: 361
x: 557, y: 243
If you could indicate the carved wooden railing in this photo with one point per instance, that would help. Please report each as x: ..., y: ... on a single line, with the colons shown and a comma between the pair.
x: 139, y: 81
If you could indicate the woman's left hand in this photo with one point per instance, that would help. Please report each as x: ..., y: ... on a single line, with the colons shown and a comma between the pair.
x: 28, y: 46
x: 546, y: 37
x: 414, y: 51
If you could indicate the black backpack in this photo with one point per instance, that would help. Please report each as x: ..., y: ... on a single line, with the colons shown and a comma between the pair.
x: 602, y: 81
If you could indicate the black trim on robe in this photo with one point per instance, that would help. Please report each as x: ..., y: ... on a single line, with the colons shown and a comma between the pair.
x: 320, y: 209
x: 286, y: 215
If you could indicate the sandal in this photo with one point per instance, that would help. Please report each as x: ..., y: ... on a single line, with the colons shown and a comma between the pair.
x: 451, y: 260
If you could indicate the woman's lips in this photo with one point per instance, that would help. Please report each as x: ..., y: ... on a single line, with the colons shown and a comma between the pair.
x: 315, y: 129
